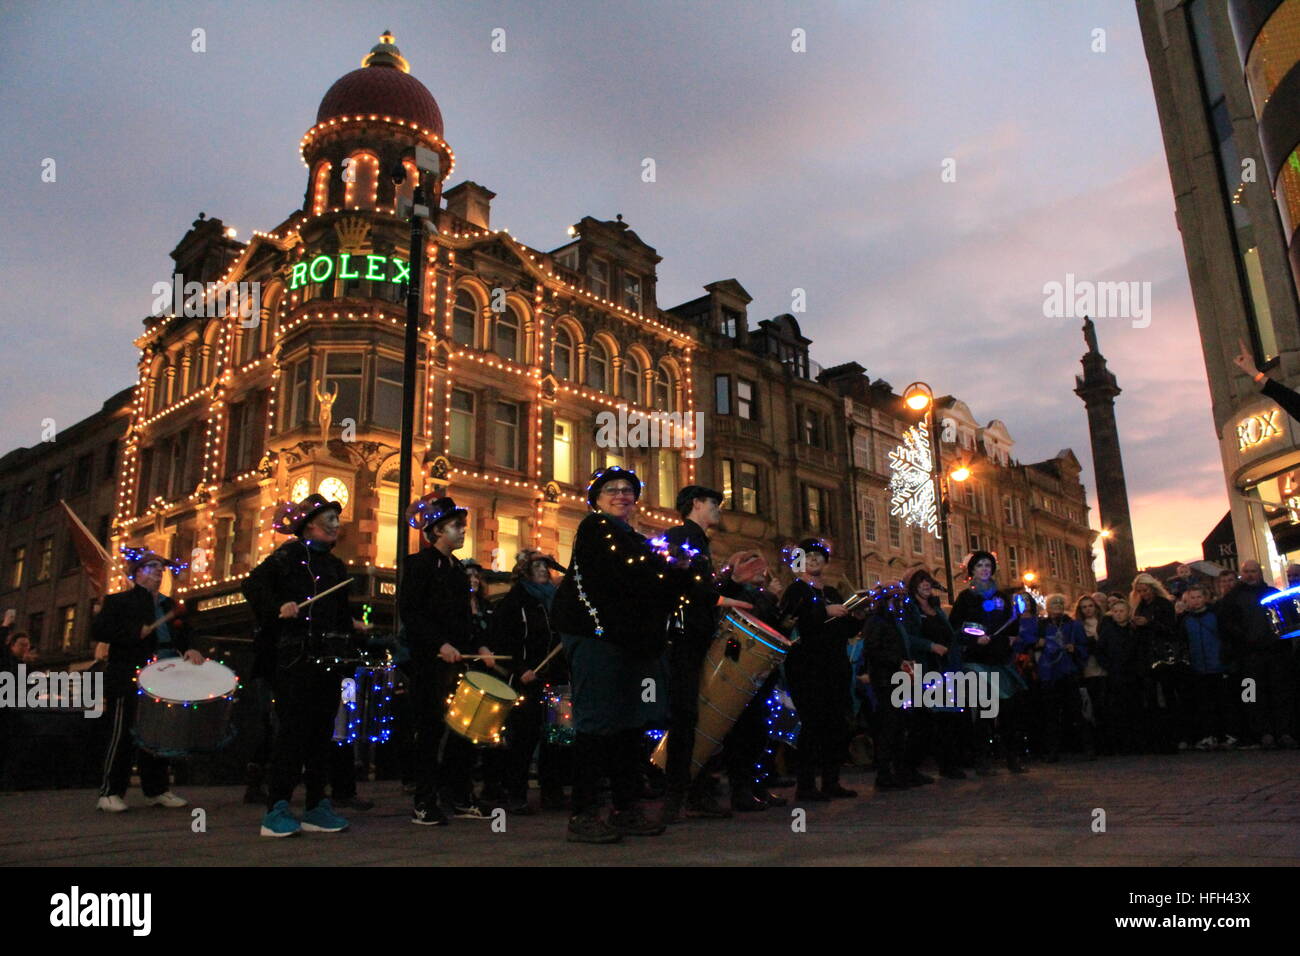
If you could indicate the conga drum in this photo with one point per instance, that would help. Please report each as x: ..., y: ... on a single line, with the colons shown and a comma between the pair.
x: 743, y: 654
x: 184, y: 708
x: 1283, y: 610
x: 479, y: 706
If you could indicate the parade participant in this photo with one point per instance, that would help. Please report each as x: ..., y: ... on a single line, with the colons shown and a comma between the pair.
x: 436, y: 611
x: 930, y: 642
x: 137, y: 625
x: 989, y: 619
x: 521, y: 628
x: 744, y: 749
x: 885, y: 648
x: 695, y: 626
x: 612, y: 611
x: 1059, y: 645
x: 818, y: 671
x: 306, y: 691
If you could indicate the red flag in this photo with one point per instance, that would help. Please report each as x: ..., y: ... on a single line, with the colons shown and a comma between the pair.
x: 94, y: 559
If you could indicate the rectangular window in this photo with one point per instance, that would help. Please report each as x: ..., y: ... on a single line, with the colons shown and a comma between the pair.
x: 1053, y: 558
x: 300, y: 398
x: 722, y: 394
x: 810, y: 428
x: 36, y: 628
x: 16, y: 561
x: 223, y: 559
x: 869, y: 520
x: 507, y: 544
x: 1013, y: 561
x: 632, y: 293
x: 562, y: 452
x: 144, y: 490
x: 462, y: 423
x: 507, y: 434
x: 388, y: 393
x: 598, y: 269
x: 1008, y: 511
x: 974, y: 541
x: 67, y: 626
x: 45, y: 558
x: 82, y: 473
x: 728, y: 484
x: 895, y: 531
x: 918, y: 541
x: 667, y: 479
x: 730, y: 323
x: 110, y: 457
x: 748, y: 488
x: 745, y: 399
x: 343, y: 370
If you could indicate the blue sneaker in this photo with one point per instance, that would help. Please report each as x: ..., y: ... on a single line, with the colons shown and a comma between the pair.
x: 279, y: 822
x: 322, y: 819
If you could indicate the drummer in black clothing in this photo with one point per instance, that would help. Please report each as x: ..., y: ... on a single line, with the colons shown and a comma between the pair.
x: 126, y: 623
x: 435, y: 610
x: 695, y: 627
x: 818, y: 670
x: 744, y: 750
x: 306, y: 691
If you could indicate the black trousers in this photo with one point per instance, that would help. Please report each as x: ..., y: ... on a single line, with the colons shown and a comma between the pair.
x: 1273, y: 671
x: 1103, y: 733
x: 820, y: 695
x: 890, y: 731
x: 506, y: 770
x: 443, y: 759
x: 1213, y: 696
x: 1062, y: 709
x: 684, y: 663
x: 1172, y: 687
x: 1008, y: 727
x: 122, y: 753
x: 744, y: 750
x: 306, y: 700
x: 617, y: 756
x: 1127, y: 714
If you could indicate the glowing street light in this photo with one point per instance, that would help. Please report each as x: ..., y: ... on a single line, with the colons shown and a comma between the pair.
x: 960, y: 473
x: 918, y: 396
x: 1029, y: 577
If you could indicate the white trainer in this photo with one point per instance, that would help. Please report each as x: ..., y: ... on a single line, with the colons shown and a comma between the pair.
x: 111, y: 804
x: 168, y: 799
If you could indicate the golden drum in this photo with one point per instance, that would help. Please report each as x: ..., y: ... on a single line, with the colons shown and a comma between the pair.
x: 478, y: 708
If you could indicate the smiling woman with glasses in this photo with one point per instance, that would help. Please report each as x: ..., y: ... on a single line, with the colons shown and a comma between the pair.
x: 612, y: 613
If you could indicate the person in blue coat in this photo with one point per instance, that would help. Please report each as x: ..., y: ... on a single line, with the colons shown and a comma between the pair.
x: 1061, y: 648
x: 1211, y: 689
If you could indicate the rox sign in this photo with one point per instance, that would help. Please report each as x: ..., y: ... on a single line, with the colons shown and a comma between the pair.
x: 1257, y: 428
x: 375, y: 268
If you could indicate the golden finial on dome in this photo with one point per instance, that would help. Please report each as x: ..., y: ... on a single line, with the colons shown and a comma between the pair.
x: 385, y: 53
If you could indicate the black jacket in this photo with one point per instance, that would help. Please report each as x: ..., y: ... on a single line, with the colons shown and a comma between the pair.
x: 1243, y: 624
x: 822, y: 645
x: 294, y: 572
x: 629, y: 585
x: 118, y: 625
x: 996, y: 613
x: 435, y: 606
x: 521, y: 628
x: 884, y: 650
x: 700, y: 602
x: 1125, y: 652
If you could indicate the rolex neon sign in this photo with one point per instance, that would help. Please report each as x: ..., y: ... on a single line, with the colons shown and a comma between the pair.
x: 342, y: 266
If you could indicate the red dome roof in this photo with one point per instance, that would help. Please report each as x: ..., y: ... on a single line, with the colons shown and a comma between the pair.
x: 382, y: 90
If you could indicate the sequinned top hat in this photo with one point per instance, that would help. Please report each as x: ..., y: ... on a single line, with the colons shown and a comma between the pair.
x: 431, y: 510
x: 603, y: 475
x: 136, y: 558
x: 291, y: 518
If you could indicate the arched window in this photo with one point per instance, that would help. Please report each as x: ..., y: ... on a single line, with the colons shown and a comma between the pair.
x: 598, y: 367
x: 506, y: 338
x: 664, y: 397
x: 249, y: 342
x: 464, y: 320
x: 562, y: 355
x: 361, y: 181
x: 631, y: 385
x: 320, y: 188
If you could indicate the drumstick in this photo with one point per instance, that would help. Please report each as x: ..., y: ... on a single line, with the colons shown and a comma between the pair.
x: 161, y: 621
x: 547, y: 659
x: 479, y: 657
x: 344, y: 583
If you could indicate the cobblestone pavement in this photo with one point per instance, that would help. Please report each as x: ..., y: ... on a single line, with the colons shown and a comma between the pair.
x: 1234, y: 809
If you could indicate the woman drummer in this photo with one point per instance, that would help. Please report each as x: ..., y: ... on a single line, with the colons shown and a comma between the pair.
x: 612, y: 611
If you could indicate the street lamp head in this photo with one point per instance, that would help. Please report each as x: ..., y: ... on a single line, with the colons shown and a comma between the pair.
x: 1029, y: 577
x: 918, y: 396
x: 1105, y: 533
x: 960, y: 473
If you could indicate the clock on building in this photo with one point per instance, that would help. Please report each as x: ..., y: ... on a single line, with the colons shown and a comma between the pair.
x: 301, y: 489
x: 333, y: 489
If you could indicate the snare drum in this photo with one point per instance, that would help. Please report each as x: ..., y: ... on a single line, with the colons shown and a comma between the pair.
x: 478, y: 708
x: 366, y: 706
x: 184, y: 708
x: 558, y: 699
x: 1283, y: 610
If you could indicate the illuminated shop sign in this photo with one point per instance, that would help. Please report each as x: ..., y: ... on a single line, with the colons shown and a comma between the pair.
x: 1254, y: 429
x: 347, y: 266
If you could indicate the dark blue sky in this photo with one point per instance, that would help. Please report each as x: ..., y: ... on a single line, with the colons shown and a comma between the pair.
x: 816, y: 170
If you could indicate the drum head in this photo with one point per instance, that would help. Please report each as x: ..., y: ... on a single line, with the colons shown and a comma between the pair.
x: 756, y: 628
x: 176, y: 680
x: 490, y: 686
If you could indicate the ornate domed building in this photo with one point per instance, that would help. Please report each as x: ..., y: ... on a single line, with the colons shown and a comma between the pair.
x: 519, y: 349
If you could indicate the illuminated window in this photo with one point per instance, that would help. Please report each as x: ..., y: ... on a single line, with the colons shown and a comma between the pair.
x: 667, y: 483
x: 67, y: 626
x: 320, y: 189
x: 508, y: 542
x: 16, y: 561
x: 728, y: 483
x: 361, y: 181
x: 45, y: 558
x: 748, y: 488
x: 562, y: 448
